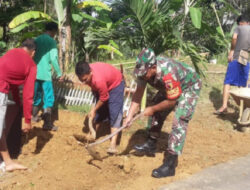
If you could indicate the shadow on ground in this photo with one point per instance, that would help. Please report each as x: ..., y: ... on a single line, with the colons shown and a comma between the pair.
x: 42, y: 136
x: 215, y: 97
x: 140, y: 137
x: 103, y: 130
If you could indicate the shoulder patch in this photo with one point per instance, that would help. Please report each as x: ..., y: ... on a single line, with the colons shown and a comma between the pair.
x: 173, y: 87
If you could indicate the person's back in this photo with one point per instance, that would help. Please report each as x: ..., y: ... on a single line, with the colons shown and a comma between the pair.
x: 46, y: 54
x: 16, y: 68
x: 105, y: 75
x: 243, y: 40
x: 15, y: 65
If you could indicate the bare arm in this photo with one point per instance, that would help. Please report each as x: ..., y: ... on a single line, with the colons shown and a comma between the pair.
x: 98, y: 105
x: 103, y: 97
x: 136, y: 99
x: 94, y: 109
x: 233, y: 44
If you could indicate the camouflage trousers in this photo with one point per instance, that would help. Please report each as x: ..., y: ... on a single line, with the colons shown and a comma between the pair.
x: 184, y: 111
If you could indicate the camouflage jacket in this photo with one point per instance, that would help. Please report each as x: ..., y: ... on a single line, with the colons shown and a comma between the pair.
x: 172, y: 77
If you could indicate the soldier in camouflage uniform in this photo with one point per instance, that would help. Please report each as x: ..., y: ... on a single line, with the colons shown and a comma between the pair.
x: 179, y: 87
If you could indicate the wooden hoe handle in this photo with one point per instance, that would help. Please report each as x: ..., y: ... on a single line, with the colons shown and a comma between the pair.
x: 112, y: 134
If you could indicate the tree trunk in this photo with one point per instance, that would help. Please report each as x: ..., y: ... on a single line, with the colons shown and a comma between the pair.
x: 45, y: 6
x: 87, y: 56
x: 67, y: 46
x: 5, y: 36
x: 65, y: 40
x: 68, y: 34
x: 112, y: 55
x: 73, y: 47
x: 61, y: 47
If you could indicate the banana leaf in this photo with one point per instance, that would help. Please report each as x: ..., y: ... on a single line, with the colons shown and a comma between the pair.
x: 110, y: 49
x: 195, y: 14
x: 86, y: 4
x: 24, y: 17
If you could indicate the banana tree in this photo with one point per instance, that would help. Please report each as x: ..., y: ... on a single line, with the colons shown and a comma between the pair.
x: 112, y: 48
x: 94, y: 28
x: 21, y: 21
x: 26, y: 20
x: 63, y: 10
x: 70, y: 13
x: 8, y: 10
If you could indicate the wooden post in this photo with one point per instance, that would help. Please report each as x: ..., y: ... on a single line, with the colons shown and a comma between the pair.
x: 144, y: 100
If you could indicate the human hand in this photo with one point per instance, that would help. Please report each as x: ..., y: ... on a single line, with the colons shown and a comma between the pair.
x: 230, y: 56
x: 61, y: 78
x: 27, y: 127
x: 127, y: 122
x: 149, y: 111
x: 92, y: 113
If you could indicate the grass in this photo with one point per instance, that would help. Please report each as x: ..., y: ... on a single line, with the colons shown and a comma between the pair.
x: 221, y: 58
x: 82, y: 109
x: 212, y: 87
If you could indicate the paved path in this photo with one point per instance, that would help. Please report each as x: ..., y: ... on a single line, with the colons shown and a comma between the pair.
x: 233, y: 175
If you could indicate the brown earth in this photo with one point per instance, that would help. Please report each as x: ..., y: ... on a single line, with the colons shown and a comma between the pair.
x: 57, y: 161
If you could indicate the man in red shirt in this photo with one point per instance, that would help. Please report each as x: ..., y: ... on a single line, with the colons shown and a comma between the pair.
x: 107, y: 83
x: 16, y: 68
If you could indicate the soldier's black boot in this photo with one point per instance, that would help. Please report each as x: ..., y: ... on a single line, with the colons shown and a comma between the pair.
x: 35, y: 116
x: 149, y: 147
x: 48, y: 124
x: 167, y: 168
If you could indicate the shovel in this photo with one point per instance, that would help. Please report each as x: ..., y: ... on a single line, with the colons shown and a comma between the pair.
x: 90, y: 147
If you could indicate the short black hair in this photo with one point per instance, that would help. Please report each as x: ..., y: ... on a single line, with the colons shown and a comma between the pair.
x: 82, y: 68
x: 29, y: 43
x: 51, y: 26
x: 242, y: 18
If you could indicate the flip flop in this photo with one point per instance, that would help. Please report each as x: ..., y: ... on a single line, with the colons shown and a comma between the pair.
x: 217, y: 112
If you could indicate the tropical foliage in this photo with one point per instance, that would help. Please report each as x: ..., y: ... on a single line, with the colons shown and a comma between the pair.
x: 95, y: 29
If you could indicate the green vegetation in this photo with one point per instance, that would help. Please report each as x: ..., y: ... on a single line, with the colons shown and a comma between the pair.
x: 222, y: 58
x: 113, y: 30
x: 82, y: 109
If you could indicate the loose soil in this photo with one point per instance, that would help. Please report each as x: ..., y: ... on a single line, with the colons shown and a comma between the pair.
x: 56, y: 160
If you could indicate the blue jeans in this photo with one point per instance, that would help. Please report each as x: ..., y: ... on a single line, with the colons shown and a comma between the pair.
x: 44, y: 89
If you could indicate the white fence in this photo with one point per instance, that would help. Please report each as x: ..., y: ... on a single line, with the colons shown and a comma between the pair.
x: 74, y: 94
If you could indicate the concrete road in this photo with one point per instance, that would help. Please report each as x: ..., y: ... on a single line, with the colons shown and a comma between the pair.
x: 233, y: 175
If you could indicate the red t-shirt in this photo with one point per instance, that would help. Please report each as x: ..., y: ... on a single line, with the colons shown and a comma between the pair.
x: 17, y: 68
x: 105, y: 77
